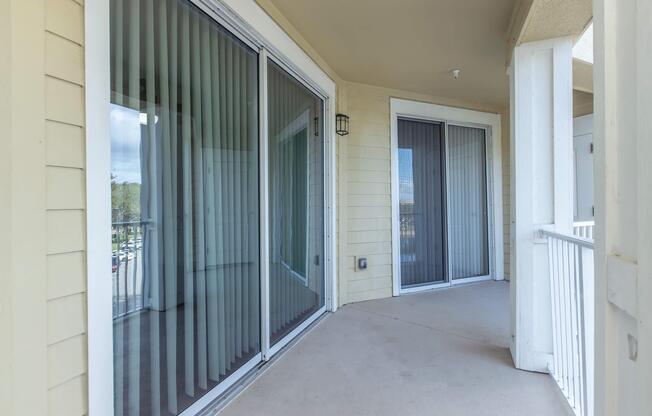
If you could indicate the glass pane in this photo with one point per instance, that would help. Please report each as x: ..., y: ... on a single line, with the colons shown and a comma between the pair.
x: 185, y: 209
x: 296, y: 211
x: 467, y: 171
x: 421, y: 203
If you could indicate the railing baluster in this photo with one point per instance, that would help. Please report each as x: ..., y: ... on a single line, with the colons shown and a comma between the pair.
x: 564, y: 292
x: 567, y: 273
x: 553, y: 296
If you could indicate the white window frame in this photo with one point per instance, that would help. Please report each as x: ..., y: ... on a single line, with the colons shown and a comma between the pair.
x: 416, y: 110
x: 250, y: 23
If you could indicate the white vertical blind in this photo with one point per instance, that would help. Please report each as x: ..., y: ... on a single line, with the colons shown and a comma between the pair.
x: 467, y: 202
x: 184, y: 131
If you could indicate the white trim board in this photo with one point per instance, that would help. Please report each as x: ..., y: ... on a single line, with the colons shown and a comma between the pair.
x: 457, y: 116
x: 252, y: 25
x: 98, y: 209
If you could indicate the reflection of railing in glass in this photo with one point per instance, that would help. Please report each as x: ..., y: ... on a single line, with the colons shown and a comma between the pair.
x: 128, y: 280
x: 408, y: 237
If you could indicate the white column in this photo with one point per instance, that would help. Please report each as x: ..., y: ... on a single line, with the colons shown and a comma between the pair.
x: 623, y: 203
x: 541, y: 189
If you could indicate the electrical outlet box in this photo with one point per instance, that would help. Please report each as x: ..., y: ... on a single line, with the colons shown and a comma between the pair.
x: 360, y: 263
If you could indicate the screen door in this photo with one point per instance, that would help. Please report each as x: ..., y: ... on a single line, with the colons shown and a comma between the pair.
x: 467, y: 202
x: 422, y: 203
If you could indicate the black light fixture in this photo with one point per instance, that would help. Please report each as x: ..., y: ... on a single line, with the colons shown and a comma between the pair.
x: 342, y: 124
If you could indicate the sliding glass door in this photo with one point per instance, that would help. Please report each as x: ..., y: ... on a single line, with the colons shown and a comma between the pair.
x: 187, y: 217
x: 443, y: 204
x: 185, y: 205
x: 296, y: 203
x: 467, y: 202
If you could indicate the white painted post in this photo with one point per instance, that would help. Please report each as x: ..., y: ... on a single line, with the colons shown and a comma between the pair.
x: 623, y: 202
x: 541, y: 189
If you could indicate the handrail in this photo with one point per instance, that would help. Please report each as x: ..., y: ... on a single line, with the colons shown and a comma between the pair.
x: 583, y: 223
x: 580, y: 241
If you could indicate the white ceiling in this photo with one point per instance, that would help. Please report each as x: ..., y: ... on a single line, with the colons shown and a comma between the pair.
x: 411, y: 44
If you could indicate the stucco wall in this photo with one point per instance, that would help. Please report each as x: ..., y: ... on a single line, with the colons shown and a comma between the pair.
x: 42, y: 293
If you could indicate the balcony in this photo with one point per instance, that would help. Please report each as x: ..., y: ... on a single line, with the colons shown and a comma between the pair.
x: 439, y: 352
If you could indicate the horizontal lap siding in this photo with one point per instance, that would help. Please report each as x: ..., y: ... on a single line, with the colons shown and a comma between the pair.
x: 367, y: 206
x: 506, y: 183
x: 65, y: 204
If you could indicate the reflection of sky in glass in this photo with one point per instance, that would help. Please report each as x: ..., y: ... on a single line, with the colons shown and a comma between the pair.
x: 125, y: 144
x: 405, y: 175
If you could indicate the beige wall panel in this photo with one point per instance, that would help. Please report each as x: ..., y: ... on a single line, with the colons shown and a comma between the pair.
x: 66, y: 360
x: 65, y: 18
x: 64, y: 145
x: 371, y: 141
x: 376, y: 247
x: 369, y: 294
x: 65, y: 188
x: 373, y: 128
x: 377, y: 270
x: 369, y: 164
x: 64, y: 101
x: 369, y: 212
x: 367, y: 176
x: 66, y: 274
x: 372, y: 236
x: 366, y: 152
x: 66, y: 317
x: 64, y: 59
x: 506, y: 183
x: 365, y: 188
x: 69, y: 398
x: 365, y: 224
x: 65, y: 231
x: 366, y: 200
x: 23, y: 324
x: 376, y: 259
x: 372, y: 284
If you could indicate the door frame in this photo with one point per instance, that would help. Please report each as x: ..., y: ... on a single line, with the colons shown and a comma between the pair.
x: 416, y: 110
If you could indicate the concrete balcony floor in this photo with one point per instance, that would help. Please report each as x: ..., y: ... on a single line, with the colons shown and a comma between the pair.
x: 435, y: 353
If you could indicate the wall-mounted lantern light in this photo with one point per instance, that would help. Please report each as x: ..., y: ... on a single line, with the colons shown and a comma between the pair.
x: 342, y: 124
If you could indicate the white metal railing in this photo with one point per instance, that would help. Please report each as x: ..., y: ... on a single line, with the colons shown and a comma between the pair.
x: 583, y: 229
x: 571, y: 286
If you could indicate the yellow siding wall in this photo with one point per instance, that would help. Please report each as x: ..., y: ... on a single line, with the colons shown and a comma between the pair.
x: 65, y: 196
x: 505, y: 153
x: 43, y: 301
x: 366, y: 207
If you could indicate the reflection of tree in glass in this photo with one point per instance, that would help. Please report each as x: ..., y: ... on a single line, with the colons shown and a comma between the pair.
x: 125, y: 201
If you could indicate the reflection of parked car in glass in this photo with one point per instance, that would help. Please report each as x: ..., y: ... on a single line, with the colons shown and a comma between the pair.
x: 114, y: 263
